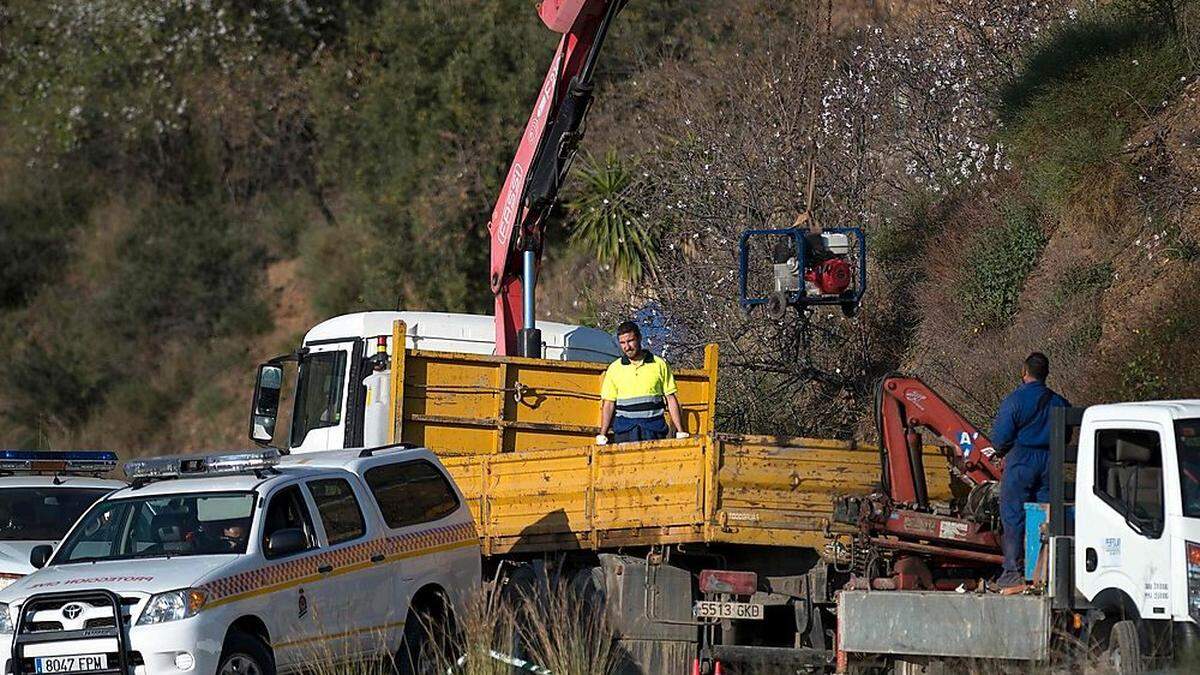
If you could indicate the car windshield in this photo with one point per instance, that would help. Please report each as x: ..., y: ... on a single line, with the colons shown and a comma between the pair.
x: 1187, y: 445
x: 167, y: 525
x: 42, y: 513
x: 318, y: 394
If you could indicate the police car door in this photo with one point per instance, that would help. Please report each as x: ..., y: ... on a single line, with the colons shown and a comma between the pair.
x: 295, y: 636
x: 426, y: 531
x: 360, y: 603
x: 327, y: 412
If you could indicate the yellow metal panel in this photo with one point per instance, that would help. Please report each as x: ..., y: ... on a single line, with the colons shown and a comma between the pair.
x: 654, y: 484
x: 465, y: 403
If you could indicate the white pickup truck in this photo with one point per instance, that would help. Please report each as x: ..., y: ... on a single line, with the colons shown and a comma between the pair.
x: 42, y: 494
x: 250, y: 563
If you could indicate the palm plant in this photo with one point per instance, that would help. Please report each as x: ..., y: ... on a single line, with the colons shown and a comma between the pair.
x: 606, y: 219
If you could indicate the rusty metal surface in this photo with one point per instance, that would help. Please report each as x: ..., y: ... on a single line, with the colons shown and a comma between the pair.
x: 944, y: 623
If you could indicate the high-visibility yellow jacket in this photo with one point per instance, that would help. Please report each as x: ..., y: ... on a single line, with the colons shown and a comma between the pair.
x: 638, y: 387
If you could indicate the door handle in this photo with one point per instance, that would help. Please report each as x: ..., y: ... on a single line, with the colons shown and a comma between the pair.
x: 324, y: 569
x: 1090, y: 561
x: 378, y: 558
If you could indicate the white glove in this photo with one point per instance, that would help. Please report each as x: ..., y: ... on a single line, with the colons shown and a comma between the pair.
x: 601, y: 439
x: 682, y: 434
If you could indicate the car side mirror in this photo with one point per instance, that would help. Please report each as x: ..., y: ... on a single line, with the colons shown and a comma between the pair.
x: 40, y: 555
x: 264, y: 410
x: 286, y: 542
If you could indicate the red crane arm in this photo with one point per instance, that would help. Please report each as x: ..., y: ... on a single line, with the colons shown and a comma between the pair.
x: 544, y: 155
x: 905, y: 404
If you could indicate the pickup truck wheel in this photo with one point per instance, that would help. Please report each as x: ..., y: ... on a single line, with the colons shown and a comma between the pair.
x: 245, y: 655
x: 416, y: 655
x: 1124, y: 652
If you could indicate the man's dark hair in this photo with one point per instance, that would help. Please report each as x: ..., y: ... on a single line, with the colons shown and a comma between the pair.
x: 1038, y: 366
x: 629, y: 327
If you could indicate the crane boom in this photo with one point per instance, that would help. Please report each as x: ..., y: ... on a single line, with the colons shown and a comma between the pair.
x: 540, y: 164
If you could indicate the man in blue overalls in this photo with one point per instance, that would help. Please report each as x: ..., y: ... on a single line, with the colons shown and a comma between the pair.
x: 1021, y: 433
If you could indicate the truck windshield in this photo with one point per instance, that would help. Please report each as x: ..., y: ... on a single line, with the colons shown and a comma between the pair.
x: 42, y: 513
x: 318, y: 394
x: 173, y: 525
x: 1187, y: 444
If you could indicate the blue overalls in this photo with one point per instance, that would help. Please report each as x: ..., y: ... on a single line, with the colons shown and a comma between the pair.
x: 1023, y: 423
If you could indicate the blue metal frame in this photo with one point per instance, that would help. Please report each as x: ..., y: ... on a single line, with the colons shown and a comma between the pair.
x: 800, y: 297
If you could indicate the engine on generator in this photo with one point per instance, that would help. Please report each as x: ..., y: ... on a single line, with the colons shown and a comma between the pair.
x: 809, y: 268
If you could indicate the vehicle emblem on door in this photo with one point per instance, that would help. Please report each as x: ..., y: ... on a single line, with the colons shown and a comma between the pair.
x: 71, y: 611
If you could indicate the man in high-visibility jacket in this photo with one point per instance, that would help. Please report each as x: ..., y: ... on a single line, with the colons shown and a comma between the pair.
x: 638, y: 388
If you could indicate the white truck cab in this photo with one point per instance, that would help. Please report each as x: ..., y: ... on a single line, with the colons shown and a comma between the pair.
x: 1120, y: 550
x: 250, y: 563
x: 43, y: 493
x: 1137, y: 510
x: 338, y: 381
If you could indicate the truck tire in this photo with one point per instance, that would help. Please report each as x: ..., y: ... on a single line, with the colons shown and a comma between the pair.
x: 1124, y: 652
x: 244, y: 654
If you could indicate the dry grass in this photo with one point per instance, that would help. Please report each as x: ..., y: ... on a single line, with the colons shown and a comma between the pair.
x: 553, y: 628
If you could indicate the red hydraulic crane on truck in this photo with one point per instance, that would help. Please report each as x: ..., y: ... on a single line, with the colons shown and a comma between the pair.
x: 926, y: 546
x: 540, y: 165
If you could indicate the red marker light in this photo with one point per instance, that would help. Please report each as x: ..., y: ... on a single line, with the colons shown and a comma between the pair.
x: 726, y: 581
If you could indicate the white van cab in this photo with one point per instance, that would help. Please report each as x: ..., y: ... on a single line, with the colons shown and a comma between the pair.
x: 250, y: 563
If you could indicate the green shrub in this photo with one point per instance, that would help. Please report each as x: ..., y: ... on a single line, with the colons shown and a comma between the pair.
x: 1082, y: 280
x: 186, y: 270
x: 997, y: 265
x: 35, y: 237
x: 1081, y: 93
x: 608, y: 223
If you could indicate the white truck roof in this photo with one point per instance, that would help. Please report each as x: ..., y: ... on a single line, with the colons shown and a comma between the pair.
x: 467, y: 334
x: 1146, y: 410
x: 62, y: 481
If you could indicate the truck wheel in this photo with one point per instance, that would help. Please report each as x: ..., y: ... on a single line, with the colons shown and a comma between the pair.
x: 1124, y: 652
x: 244, y: 654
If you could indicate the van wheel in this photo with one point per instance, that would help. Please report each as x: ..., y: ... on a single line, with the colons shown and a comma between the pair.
x: 244, y: 654
x: 1124, y: 652
x: 417, y: 654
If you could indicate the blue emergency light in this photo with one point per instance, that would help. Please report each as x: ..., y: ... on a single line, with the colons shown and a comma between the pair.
x: 56, y: 461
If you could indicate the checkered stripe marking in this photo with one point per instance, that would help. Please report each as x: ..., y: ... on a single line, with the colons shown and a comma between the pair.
x: 290, y: 571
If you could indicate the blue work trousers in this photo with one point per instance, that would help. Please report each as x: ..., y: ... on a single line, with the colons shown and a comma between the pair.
x: 631, y: 429
x: 1026, y: 479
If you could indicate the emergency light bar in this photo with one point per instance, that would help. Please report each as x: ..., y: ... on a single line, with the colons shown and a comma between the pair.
x: 198, y: 466
x: 49, y: 461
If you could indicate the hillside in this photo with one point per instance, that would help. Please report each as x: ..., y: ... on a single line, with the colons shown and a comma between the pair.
x: 184, y: 189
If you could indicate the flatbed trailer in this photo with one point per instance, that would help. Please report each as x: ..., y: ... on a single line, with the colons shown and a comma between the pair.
x: 517, y: 435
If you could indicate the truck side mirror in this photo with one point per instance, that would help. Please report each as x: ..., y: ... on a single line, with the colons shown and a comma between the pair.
x: 286, y: 542
x: 264, y: 411
x: 40, y: 555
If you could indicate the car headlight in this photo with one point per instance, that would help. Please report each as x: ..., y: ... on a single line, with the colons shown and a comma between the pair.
x: 5, y: 621
x: 172, y: 606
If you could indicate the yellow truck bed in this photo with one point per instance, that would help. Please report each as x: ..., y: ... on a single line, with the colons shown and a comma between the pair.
x: 517, y: 435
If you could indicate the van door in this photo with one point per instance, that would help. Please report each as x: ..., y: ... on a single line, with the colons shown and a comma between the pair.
x: 1121, y: 498
x: 328, y: 407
